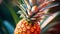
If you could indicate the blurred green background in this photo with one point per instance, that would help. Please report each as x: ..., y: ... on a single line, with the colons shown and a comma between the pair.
x: 9, y: 17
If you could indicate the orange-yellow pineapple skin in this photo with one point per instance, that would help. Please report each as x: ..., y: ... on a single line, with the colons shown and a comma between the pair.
x: 23, y: 27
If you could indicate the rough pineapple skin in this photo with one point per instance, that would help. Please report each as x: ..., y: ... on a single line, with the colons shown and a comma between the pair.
x: 23, y: 27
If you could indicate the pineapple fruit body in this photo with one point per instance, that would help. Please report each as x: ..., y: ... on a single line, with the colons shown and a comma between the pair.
x: 23, y: 27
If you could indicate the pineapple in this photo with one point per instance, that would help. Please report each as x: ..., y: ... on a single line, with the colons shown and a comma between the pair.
x: 24, y: 27
x: 30, y: 24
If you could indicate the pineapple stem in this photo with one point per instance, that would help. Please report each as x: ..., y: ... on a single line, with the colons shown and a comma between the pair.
x: 23, y: 10
x: 45, y: 4
x: 28, y: 5
x: 25, y: 16
x: 42, y: 9
x: 21, y: 5
x: 49, y: 6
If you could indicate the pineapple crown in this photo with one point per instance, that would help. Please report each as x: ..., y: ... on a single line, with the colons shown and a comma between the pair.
x: 34, y: 9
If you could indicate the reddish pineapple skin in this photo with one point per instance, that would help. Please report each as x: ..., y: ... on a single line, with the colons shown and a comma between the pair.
x: 23, y: 27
